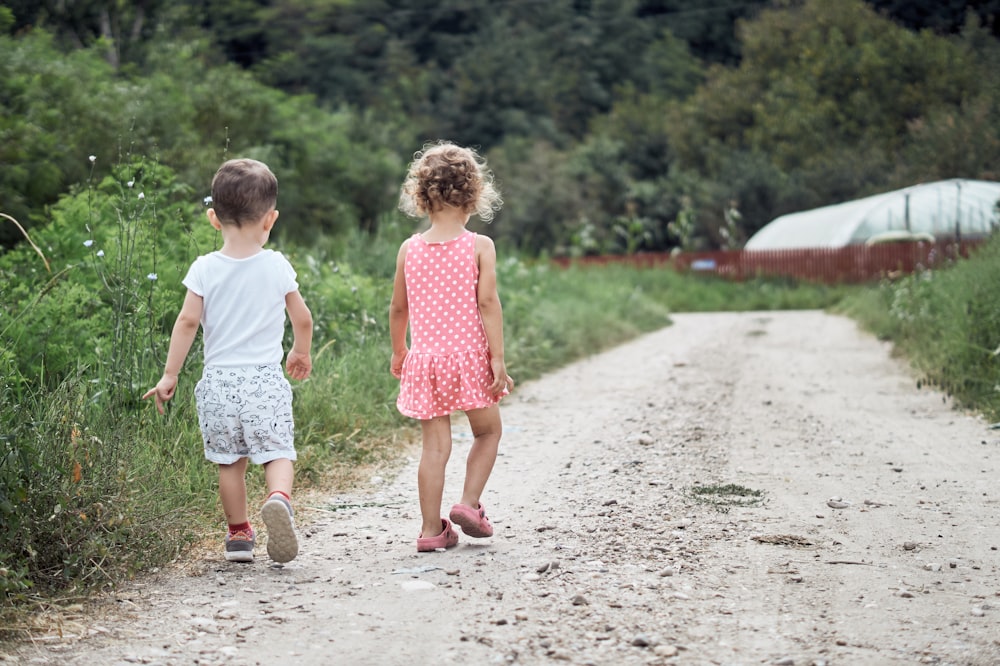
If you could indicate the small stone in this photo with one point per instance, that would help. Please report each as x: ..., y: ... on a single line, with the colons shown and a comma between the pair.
x: 580, y: 600
x: 666, y: 651
x: 909, y: 545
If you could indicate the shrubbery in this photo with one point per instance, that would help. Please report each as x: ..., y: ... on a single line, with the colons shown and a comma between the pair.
x: 947, y: 323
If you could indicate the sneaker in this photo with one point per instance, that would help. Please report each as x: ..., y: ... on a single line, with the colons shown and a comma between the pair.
x: 282, y: 544
x: 239, y: 546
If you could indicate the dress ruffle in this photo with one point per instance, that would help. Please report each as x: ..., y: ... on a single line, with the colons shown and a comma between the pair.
x: 435, y: 385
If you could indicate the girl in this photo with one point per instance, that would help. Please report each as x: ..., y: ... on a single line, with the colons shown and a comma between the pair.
x: 445, y: 291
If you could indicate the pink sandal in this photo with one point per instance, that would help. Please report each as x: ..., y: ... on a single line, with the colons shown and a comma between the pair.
x: 472, y: 521
x: 447, y: 539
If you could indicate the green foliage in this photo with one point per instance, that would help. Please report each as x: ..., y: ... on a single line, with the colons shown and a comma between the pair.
x: 946, y: 322
x: 824, y: 100
x: 43, y: 154
x: 96, y: 311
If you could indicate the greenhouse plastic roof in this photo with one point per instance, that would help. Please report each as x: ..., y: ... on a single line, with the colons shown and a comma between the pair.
x: 943, y: 209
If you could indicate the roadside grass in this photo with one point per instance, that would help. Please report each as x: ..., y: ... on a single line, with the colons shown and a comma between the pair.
x: 946, y: 323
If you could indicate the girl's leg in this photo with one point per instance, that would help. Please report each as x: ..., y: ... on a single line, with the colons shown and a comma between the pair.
x: 278, y: 476
x: 486, y: 430
x: 430, y: 473
x: 233, y: 491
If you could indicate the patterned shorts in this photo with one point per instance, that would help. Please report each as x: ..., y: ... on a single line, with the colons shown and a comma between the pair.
x: 245, y: 412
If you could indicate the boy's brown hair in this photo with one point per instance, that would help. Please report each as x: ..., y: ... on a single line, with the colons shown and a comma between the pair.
x: 243, y: 191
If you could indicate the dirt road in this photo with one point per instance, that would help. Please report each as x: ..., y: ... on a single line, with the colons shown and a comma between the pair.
x: 620, y: 535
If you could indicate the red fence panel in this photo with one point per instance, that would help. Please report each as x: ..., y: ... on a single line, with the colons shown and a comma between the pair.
x: 851, y: 264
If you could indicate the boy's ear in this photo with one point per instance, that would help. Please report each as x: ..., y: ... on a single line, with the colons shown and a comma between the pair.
x: 271, y: 218
x: 213, y: 219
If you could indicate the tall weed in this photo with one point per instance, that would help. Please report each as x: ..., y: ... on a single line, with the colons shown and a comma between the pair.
x: 947, y: 323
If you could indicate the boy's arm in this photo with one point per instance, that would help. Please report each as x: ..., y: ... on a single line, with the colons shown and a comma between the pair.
x: 491, y: 312
x: 399, y: 315
x: 185, y: 328
x: 298, y: 364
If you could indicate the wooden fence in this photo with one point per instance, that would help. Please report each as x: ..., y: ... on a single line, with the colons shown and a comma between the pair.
x: 851, y: 264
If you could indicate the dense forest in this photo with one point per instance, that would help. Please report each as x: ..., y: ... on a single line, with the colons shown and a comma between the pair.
x: 612, y: 125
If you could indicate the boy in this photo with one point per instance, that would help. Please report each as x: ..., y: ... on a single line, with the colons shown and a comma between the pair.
x: 239, y: 296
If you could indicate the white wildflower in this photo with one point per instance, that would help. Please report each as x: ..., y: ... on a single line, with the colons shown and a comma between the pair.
x: 130, y: 183
x: 88, y: 243
x: 207, y: 201
x: 142, y: 195
x: 151, y: 277
x: 100, y: 253
x: 92, y: 158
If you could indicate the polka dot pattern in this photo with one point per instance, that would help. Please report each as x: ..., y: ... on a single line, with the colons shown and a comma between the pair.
x: 448, y: 366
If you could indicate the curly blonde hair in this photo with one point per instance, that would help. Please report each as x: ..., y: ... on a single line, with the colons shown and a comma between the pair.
x: 444, y: 174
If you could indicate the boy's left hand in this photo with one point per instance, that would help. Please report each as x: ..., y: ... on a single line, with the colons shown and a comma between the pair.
x: 298, y: 365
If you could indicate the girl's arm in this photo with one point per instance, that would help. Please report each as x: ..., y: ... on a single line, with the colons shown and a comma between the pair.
x: 181, y: 338
x: 399, y: 315
x: 491, y: 312
x: 298, y: 364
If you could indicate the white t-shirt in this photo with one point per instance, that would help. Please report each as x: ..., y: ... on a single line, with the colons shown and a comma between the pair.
x: 243, y: 321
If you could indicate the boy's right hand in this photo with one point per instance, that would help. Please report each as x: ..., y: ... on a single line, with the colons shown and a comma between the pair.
x: 164, y: 390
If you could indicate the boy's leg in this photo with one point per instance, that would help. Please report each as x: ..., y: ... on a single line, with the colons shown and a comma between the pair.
x: 486, y: 430
x: 282, y: 542
x: 430, y: 473
x: 278, y: 476
x: 233, y: 491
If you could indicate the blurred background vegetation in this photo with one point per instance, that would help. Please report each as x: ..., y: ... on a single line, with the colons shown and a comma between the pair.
x: 612, y: 126
x: 603, y: 119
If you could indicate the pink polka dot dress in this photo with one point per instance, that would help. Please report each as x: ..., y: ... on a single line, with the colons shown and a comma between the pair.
x: 448, y: 366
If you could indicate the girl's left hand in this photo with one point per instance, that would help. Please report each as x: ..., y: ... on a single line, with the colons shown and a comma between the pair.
x: 502, y: 382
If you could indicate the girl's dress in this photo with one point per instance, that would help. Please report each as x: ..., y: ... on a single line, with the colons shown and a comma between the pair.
x: 448, y: 366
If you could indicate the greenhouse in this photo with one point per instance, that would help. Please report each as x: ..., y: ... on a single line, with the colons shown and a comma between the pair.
x: 946, y: 209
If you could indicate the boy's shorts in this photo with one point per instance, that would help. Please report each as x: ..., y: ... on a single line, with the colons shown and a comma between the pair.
x: 245, y: 412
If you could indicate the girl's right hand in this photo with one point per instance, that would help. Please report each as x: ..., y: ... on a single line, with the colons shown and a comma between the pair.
x: 396, y: 364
